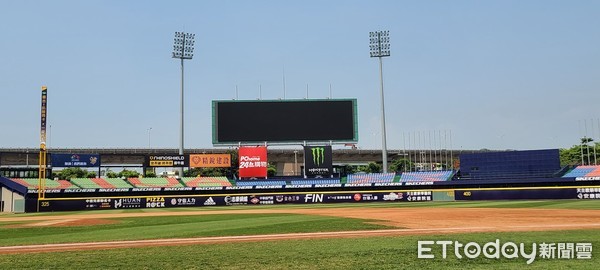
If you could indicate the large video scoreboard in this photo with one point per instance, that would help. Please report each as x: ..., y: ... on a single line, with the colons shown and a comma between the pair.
x: 236, y: 121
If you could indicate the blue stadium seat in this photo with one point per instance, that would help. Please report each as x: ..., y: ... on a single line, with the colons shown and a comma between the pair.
x: 426, y: 176
x: 371, y: 178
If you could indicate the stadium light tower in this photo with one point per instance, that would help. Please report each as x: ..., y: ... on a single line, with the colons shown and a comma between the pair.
x: 183, y: 48
x: 380, y: 47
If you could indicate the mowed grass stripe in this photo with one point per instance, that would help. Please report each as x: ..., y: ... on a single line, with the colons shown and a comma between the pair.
x: 183, y: 226
x: 357, y: 253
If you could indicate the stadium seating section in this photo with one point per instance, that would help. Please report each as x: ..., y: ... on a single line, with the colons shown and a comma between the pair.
x: 32, y: 183
x: 100, y: 183
x: 371, y: 178
x: 152, y: 182
x: 510, y: 164
x: 260, y: 183
x: 361, y: 178
x: 584, y: 171
x: 315, y: 182
x: 206, y: 181
x: 426, y: 176
x: 117, y: 182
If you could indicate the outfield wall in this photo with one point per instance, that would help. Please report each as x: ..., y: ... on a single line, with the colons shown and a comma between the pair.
x: 310, y: 197
x: 408, y: 192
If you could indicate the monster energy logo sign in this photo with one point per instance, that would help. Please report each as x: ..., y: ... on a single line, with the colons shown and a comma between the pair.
x: 321, y: 160
x: 318, y: 155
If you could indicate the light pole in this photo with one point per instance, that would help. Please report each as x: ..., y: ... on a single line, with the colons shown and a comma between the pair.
x: 380, y: 47
x: 149, y: 129
x: 295, y: 161
x: 183, y: 48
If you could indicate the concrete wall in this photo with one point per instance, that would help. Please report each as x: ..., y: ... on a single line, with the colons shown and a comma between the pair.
x: 8, y: 199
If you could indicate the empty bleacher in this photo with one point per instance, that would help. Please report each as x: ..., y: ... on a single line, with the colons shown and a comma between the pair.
x: 510, y: 165
x: 370, y: 178
x: 426, y: 176
x: 117, y: 182
x: 584, y: 171
x: 261, y: 183
x: 32, y: 183
x: 315, y: 182
x: 220, y: 181
x: 154, y: 182
x: 100, y: 183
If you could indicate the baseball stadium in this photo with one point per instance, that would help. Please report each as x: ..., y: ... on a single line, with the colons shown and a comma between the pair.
x: 485, y: 168
x: 263, y: 208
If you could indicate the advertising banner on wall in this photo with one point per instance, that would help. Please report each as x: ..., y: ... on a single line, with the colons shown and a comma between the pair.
x: 253, y: 161
x: 167, y: 161
x: 159, y: 201
x: 510, y: 194
x: 318, y: 161
x: 75, y: 160
x: 210, y: 160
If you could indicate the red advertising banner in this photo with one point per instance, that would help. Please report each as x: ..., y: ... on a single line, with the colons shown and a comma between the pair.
x: 253, y: 161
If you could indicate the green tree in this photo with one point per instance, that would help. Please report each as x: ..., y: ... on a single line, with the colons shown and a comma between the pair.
x: 91, y: 175
x: 350, y: 169
x: 150, y: 173
x: 214, y: 172
x: 400, y: 165
x: 111, y: 174
x: 271, y: 170
x: 370, y: 168
x: 235, y: 165
x: 193, y: 172
x: 128, y: 174
x: 70, y: 173
x: 572, y: 156
x: 375, y: 167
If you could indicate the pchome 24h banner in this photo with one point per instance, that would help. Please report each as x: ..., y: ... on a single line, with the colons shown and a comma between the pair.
x: 253, y: 161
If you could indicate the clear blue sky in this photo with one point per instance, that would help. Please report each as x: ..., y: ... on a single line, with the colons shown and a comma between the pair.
x: 499, y: 74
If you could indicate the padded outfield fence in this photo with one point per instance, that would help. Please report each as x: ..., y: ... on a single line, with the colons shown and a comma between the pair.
x: 313, y: 196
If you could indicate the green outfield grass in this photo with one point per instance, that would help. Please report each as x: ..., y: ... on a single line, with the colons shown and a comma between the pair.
x: 398, y: 252
x: 180, y: 227
x: 135, y: 228
x: 356, y: 253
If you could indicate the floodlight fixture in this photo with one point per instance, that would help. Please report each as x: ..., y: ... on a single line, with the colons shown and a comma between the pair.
x: 183, y: 45
x: 379, y: 43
